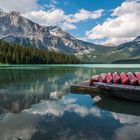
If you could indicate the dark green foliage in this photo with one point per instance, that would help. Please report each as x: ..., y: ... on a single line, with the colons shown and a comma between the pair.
x: 16, y: 54
x: 127, y: 61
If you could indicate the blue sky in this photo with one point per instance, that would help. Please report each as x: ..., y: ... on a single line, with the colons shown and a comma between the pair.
x: 108, y: 22
x: 73, y: 6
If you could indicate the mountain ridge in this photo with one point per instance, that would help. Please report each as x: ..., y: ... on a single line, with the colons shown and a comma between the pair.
x: 20, y: 30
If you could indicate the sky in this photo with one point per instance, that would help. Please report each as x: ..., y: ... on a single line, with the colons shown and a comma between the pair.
x: 107, y: 22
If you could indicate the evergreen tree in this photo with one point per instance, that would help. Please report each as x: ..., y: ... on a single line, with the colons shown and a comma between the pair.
x: 16, y: 54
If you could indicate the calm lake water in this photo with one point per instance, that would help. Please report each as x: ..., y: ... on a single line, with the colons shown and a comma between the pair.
x: 36, y: 104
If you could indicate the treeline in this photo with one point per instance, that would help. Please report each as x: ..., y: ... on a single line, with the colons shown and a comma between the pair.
x: 16, y: 54
x: 127, y: 61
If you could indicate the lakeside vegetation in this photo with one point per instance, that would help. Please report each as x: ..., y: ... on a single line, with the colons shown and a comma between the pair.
x: 16, y: 54
x: 127, y: 61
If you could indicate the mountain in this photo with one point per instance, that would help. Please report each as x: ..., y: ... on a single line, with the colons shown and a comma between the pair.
x: 124, y: 53
x: 130, y: 51
x: 18, y: 29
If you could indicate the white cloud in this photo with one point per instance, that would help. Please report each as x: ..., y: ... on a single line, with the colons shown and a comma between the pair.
x: 128, y: 132
x: 50, y: 17
x: 51, y: 4
x: 58, y: 17
x: 19, y: 5
x: 21, y: 126
x: 82, y: 38
x: 121, y: 27
x: 58, y: 108
x: 125, y: 118
x: 34, y: 11
x: 127, y: 8
x: 130, y: 127
x: 84, y: 15
x: 68, y: 26
x: 115, y: 41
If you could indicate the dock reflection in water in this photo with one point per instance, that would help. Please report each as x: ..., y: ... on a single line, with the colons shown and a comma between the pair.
x: 118, y: 105
x: 126, y: 112
x: 35, y: 104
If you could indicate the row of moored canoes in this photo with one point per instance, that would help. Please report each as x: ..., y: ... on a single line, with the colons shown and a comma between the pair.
x: 117, y: 78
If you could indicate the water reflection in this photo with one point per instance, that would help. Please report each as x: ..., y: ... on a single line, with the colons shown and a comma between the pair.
x: 118, y: 105
x: 130, y: 129
x: 124, y: 111
x: 35, y: 104
x: 21, y: 88
x: 71, y: 119
x: 18, y: 127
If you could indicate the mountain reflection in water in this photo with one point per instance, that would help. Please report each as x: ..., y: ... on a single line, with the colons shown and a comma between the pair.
x: 35, y: 104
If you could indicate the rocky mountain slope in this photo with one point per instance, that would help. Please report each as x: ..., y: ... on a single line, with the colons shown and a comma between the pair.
x: 18, y: 29
x: 125, y: 53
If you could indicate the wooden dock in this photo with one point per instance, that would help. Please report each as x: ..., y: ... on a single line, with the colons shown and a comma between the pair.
x: 117, y: 90
x: 84, y: 88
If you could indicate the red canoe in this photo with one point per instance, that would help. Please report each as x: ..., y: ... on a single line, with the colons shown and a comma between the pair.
x: 132, y: 79
x: 109, y: 78
x: 130, y: 92
x: 94, y: 78
x: 126, y: 86
x: 102, y: 78
x: 137, y: 74
x: 124, y: 78
x: 116, y: 78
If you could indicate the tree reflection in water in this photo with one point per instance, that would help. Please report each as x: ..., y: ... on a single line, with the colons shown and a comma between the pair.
x: 35, y: 104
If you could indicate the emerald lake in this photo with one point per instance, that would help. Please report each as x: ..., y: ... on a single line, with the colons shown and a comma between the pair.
x: 36, y: 104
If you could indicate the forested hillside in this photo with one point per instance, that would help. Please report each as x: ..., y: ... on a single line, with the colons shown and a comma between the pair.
x: 15, y: 54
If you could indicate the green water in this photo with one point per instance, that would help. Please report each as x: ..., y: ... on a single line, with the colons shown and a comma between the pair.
x: 36, y: 104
